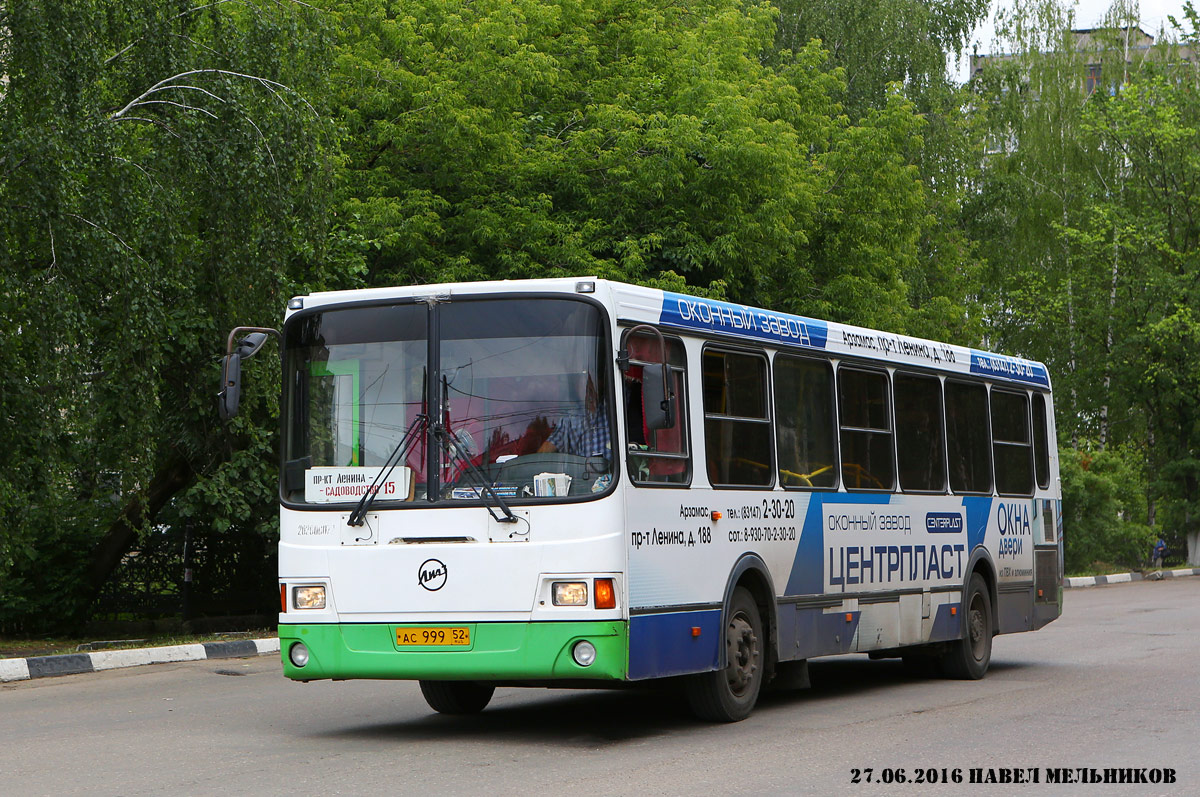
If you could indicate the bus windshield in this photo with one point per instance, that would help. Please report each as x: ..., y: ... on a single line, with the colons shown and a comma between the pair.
x: 515, y: 394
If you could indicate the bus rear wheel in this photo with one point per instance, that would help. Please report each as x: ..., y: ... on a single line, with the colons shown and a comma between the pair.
x: 457, y: 697
x: 729, y: 694
x: 968, y: 658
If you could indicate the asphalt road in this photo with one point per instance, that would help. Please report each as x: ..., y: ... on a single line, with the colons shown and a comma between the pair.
x: 1115, y: 683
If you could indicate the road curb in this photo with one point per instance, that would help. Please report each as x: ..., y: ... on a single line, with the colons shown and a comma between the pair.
x: 1122, y: 578
x: 75, y: 663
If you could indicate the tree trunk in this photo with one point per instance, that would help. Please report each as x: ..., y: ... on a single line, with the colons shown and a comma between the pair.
x: 1108, y: 338
x: 137, y: 512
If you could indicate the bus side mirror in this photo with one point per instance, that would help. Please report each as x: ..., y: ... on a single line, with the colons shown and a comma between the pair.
x: 231, y: 386
x: 249, y: 345
x: 230, y: 395
x: 658, y: 407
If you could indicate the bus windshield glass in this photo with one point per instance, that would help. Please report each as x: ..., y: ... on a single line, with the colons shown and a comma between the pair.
x: 515, y: 395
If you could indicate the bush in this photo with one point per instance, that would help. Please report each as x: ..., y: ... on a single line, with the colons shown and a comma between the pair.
x: 1104, y: 508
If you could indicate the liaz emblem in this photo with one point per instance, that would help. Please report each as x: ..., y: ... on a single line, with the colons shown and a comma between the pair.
x: 432, y: 574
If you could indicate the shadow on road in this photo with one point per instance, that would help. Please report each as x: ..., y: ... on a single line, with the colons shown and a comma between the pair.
x: 575, y: 718
x: 566, y: 718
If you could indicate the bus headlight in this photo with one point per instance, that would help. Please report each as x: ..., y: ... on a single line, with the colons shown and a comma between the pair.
x: 569, y: 593
x: 308, y: 597
x: 298, y: 653
x: 584, y: 653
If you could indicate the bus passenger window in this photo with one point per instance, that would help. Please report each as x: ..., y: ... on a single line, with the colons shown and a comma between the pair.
x: 804, y: 430
x: 867, y: 462
x: 1011, y: 444
x: 737, y: 425
x: 920, y: 440
x: 655, y: 456
x: 1041, y: 442
x: 967, y: 438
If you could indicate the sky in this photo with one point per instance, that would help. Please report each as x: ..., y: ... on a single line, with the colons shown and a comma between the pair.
x: 1088, y: 14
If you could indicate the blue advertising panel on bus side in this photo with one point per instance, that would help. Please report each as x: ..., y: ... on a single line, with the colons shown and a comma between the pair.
x: 998, y: 365
x: 726, y: 318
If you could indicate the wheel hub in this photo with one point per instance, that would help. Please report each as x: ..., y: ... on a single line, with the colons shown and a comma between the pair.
x: 741, y: 644
x: 976, y: 628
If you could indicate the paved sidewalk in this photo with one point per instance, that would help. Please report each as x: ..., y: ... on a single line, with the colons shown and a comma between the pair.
x: 1122, y: 578
x: 72, y: 663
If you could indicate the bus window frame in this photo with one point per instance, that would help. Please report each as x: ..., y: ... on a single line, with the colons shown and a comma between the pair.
x: 987, y: 418
x: 769, y: 421
x: 1041, y: 444
x: 682, y: 410
x: 1025, y: 394
x: 831, y: 369
x: 853, y: 365
x: 940, y: 379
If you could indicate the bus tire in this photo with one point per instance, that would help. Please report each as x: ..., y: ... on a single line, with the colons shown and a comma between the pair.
x: 968, y: 658
x: 729, y: 694
x: 457, y: 697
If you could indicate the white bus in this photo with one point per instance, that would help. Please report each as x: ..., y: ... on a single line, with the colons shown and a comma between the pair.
x: 501, y: 483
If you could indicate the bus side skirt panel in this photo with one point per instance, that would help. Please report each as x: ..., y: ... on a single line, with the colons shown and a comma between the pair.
x: 662, y: 645
x: 823, y: 633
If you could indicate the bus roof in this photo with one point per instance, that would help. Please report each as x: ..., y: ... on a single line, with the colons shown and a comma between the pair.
x: 709, y: 317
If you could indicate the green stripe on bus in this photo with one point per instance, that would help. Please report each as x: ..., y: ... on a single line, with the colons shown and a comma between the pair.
x: 498, y: 651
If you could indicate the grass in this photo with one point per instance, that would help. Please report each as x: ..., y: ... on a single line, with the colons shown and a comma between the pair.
x: 17, y: 648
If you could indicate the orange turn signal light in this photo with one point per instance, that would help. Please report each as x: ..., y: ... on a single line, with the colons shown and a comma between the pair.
x: 695, y: 630
x: 606, y: 594
x: 716, y: 515
x: 953, y: 611
x: 849, y: 617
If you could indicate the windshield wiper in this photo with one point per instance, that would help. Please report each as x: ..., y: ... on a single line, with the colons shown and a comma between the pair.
x: 455, y: 448
x: 400, y: 454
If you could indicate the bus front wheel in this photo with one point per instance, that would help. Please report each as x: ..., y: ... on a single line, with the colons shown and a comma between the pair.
x: 457, y: 697
x: 729, y: 694
x: 968, y: 658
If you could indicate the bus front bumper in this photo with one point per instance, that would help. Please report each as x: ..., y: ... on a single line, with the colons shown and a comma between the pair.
x: 497, y: 652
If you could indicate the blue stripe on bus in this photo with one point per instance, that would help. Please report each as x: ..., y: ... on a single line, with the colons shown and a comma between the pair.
x: 978, y: 509
x: 808, y: 569
x: 664, y: 644
x: 999, y: 365
x: 739, y: 320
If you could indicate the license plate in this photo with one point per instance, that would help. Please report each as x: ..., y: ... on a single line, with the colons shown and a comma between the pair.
x: 446, y: 635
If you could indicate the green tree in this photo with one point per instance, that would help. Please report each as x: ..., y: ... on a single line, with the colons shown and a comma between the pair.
x: 1151, y: 228
x: 902, y: 46
x: 1104, y: 504
x: 1029, y: 108
x: 1086, y: 215
x: 645, y: 142
x: 882, y: 43
x: 163, y: 175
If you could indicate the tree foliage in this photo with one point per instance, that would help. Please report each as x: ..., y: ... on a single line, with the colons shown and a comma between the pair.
x: 1104, y: 509
x: 630, y: 140
x: 162, y: 173
x: 172, y: 169
x: 1087, y: 213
